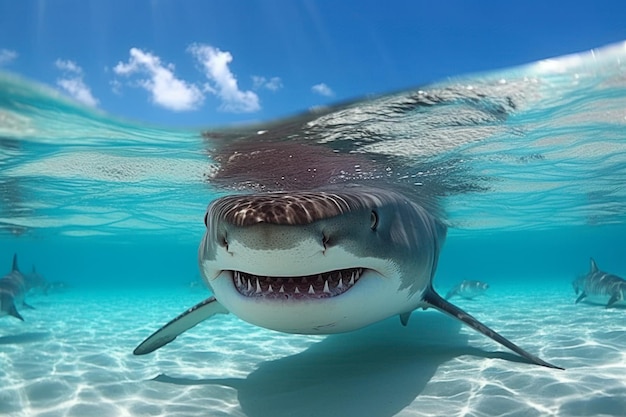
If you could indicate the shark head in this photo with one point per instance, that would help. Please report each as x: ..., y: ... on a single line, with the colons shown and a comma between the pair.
x: 319, y: 262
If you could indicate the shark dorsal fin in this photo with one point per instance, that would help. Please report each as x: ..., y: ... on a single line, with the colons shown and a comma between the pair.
x: 593, y: 267
x: 14, y: 267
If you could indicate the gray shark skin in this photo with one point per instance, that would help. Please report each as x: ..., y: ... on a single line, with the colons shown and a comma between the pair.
x: 319, y: 262
x: 13, y: 288
x: 468, y: 289
x: 600, y: 284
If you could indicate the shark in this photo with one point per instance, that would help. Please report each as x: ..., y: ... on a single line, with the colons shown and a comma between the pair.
x: 468, y: 289
x: 330, y: 223
x: 322, y: 261
x: 13, y: 289
x: 600, y: 285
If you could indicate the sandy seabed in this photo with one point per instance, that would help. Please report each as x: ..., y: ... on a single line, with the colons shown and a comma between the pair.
x: 73, y: 357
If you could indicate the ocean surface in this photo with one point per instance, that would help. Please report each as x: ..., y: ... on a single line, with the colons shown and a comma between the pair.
x: 528, y: 167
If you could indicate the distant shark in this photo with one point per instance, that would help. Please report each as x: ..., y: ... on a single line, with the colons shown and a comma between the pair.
x: 320, y: 262
x: 13, y: 289
x: 468, y: 289
x: 599, y: 285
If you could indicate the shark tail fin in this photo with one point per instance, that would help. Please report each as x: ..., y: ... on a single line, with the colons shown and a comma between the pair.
x: 436, y: 301
x: 593, y: 268
x: 14, y: 267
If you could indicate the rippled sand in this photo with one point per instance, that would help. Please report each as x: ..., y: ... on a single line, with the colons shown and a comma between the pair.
x: 73, y: 357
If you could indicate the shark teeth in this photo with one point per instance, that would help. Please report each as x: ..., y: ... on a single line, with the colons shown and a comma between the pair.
x: 323, y: 285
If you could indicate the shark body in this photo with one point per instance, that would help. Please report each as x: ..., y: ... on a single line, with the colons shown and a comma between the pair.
x: 13, y: 289
x: 600, y: 286
x: 468, y: 289
x: 320, y: 262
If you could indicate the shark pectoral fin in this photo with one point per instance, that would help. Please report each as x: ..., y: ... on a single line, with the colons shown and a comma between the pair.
x: 435, y: 300
x: 13, y: 312
x: 614, y: 299
x: 580, y: 297
x: 28, y: 306
x: 180, y: 324
x: 404, y: 318
x: 8, y: 306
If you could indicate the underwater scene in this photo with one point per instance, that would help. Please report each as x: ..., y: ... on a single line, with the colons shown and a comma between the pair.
x: 454, y: 249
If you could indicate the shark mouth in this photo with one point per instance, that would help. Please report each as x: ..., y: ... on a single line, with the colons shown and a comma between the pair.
x: 317, y: 286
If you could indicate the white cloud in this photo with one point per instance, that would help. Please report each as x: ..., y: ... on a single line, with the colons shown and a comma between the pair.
x: 7, y: 56
x: 272, y: 84
x: 323, y: 90
x: 159, y: 80
x: 69, y: 66
x: 73, y: 84
x: 222, y: 82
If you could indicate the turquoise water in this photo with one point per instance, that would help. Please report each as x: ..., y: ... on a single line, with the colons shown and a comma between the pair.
x: 528, y: 168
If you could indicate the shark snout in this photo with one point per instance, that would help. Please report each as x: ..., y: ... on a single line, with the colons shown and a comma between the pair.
x: 272, y: 249
x: 272, y: 237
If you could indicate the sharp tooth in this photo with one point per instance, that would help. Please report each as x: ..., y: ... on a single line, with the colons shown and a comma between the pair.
x: 258, y: 286
x: 311, y: 290
x: 282, y: 289
x: 238, y: 279
x: 270, y: 289
x: 326, y: 289
x: 352, y: 279
x: 297, y: 291
x: 249, y: 286
x: 340, y: 285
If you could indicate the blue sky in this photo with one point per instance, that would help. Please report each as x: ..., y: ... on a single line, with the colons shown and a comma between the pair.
x: 210, y: 63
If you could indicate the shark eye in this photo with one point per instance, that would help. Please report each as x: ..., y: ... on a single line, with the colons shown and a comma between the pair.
x: 374, y: 220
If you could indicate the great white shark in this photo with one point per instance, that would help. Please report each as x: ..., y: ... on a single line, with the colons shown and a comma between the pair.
x: 320, y: 262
